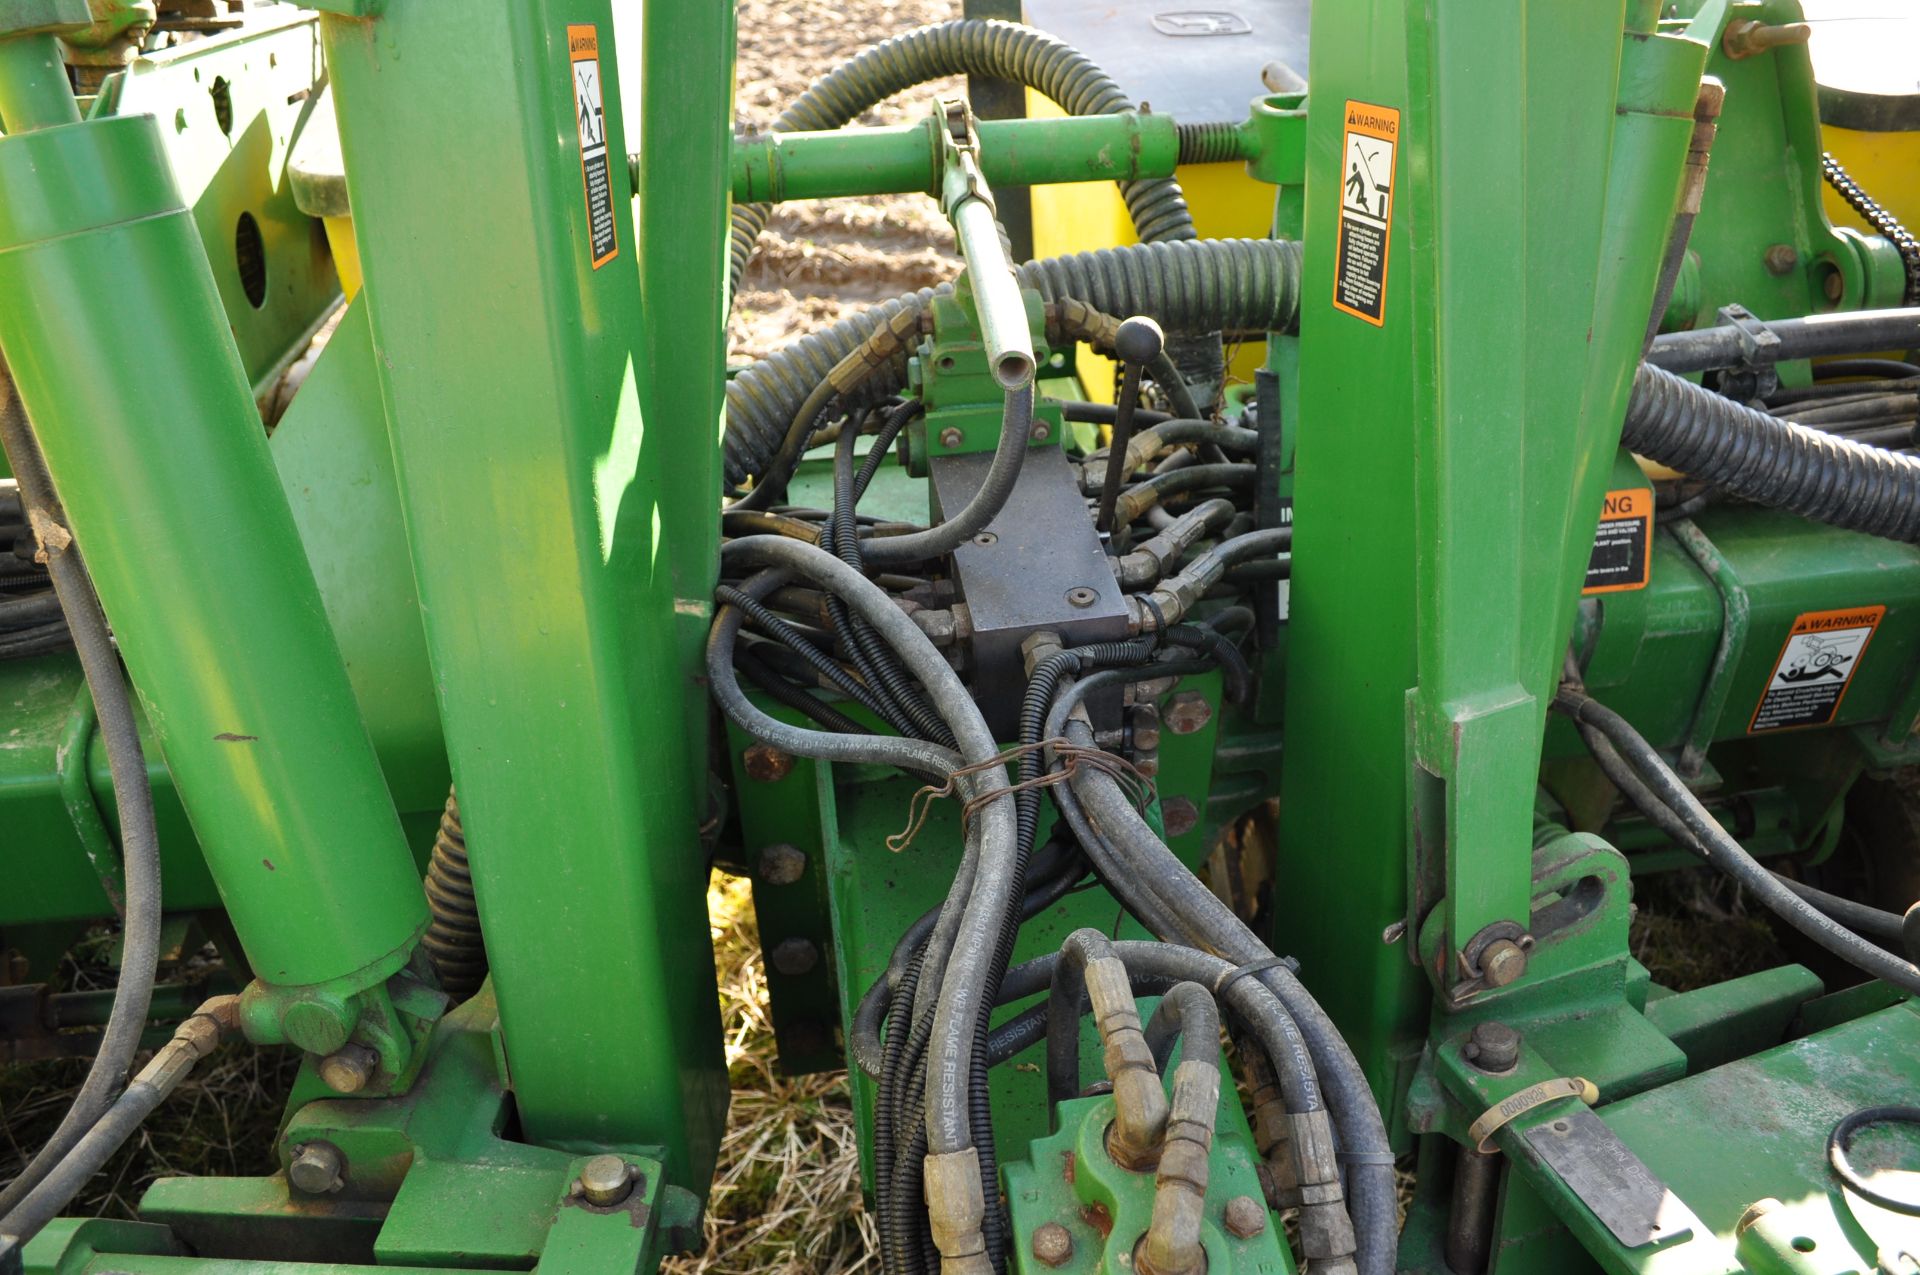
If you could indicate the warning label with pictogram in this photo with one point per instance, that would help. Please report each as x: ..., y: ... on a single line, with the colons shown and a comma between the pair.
x: 1622, y: 543
x: 589, y: 109
x: 1823, y: 651
x: 1366, y: 211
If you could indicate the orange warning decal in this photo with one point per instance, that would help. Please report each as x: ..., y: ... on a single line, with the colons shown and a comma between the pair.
x: 1816, y: 665
x: 596, y: 174
x: 1366, y: 211
x: 1622, y: 556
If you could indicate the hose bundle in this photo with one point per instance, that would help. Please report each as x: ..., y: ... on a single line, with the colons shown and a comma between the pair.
x: 1207, y: 285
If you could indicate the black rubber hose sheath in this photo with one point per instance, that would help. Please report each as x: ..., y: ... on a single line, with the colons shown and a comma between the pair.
x: 1770, y: 461
x: 991, y: 49
x: 1727, y: 345
x: 139, y: 834
x: 1726, y: 854
x: 1197, y: 286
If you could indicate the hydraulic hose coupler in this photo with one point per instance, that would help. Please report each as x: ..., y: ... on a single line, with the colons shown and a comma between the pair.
x: 957, y: 1212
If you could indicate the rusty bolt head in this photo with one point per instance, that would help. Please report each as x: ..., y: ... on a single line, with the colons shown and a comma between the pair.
x: 1494, y: 1048
x: 1179, y: 816
x: 1052, y: 1244
x: 316, y: 1168
x: 349, y: 1068
x: 1147, y: 764
x: 794, y: 957
x: 782, y: 863
x: 1041, y: 432
x: 1781, y: 258
x: 1082, y: 596
x: 605, y: 1180
x: 1502, y: 963
x: 767, y: 763
x: 1187, y: 712
x: 950, y: 437
x: 1245, y: 1217
x: 1833, y: 286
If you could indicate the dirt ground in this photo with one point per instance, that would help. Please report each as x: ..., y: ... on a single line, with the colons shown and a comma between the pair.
x: 819, y: 260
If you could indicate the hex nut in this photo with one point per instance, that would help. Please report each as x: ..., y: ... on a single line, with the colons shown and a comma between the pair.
x: 1781, y: 258
x: 1052, y: 1244
x: 1178, y: 815
x: 349, y: 1068
x: 1245, y: 1217
x: 605, y: 1180
x: 781, y: 863
x: 950, y: 437
x: 767, y: 763
x: 1041, y: 432
x: 1187, y: 712
x: 1493, y: 1048
x: 794, y: 957
x: 317, y: 1168
x: 1502, y: 963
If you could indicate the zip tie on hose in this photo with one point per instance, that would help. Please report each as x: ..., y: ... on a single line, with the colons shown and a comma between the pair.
x: 1229, y: 977
x: 1516, y: 1105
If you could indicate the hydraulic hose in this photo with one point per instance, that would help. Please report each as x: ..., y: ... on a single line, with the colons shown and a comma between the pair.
x: 1816, y: 335
x: 1172, y: 1244
x: 1726, y: 854
x: 1773, y: 462
x: 193, y: 1040
x: 1197, y: 286
x: 996, y: 50
x: 126, y: 760
x: 972, y: 518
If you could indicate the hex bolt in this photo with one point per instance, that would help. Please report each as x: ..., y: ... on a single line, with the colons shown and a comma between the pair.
x: 349, y: 1068
x: 317, y: 1168
x: 1082, y: 596
x: 1052, y: 1244
x: 1781, y: 259
x: 1179, y: 816
x: 1187, y: 712
x: 1245, y: 1217
x: 794, y: 957
x: 767, y: 763
x: 1493, y: 1048
x: 782, y: 863
x: 1040, y: 432
x: 1503, y: 962
x: 605, y: 1180
x: 950, y: 437
x: 1832, y: 286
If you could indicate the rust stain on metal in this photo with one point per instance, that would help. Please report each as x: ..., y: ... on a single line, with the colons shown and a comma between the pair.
x: 228, y: 737
x: 268, y: 865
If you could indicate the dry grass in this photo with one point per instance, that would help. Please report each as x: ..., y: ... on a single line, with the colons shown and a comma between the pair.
x: 786, y: 1200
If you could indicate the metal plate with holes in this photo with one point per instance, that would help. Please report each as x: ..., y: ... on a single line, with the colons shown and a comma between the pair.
x: 1610, y: 1179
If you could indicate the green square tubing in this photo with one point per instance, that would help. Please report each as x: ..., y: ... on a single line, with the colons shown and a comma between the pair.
x: 514, y: 371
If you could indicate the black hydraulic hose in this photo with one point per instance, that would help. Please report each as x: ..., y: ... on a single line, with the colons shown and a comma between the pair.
x: 1107, y: 413
x: 1186, y: 286
x: 1884, y: 928
x: 779, y: 630
x: 29, y: 610
x: 1727, y: 345
x: 1770, y: 461
x: 1186, y: 1012
x: 1235, y: 674
x: 1726, y: 854
x: 1833, y: 369
x: 133, y: 795
x: 784, y: 692
x: 994, y: 50
x: 1016, y: 424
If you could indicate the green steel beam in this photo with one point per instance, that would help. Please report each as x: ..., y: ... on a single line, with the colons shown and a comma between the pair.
x: 513, y: 358
x: 1127, y: 146
x: 34, y: 92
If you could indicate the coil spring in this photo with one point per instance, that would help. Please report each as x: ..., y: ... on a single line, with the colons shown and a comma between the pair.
x: 1215, y: 143
x: 1879, y: 218
x: 453, y: 938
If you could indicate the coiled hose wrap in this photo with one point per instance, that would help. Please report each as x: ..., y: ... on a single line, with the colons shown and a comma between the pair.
x: 1192, y: 286
x: 997, y: 50
x: 1771, y: 461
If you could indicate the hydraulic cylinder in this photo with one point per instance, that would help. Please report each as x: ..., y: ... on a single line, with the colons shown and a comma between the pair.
x: 117, y: 339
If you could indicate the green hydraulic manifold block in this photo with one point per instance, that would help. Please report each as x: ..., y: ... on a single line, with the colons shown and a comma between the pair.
x: 172, y: 496
x: 543, y: 507
x: 1097, y: 1211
